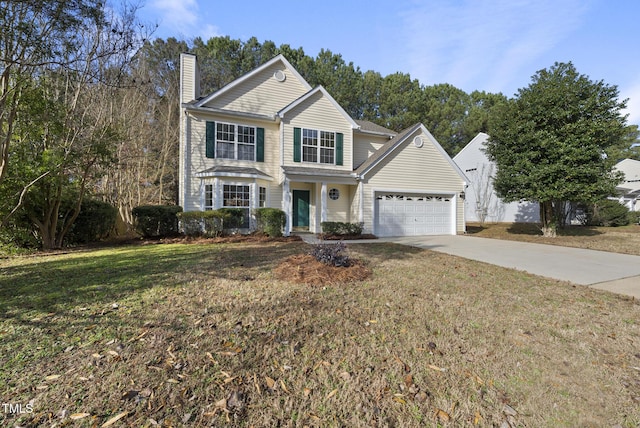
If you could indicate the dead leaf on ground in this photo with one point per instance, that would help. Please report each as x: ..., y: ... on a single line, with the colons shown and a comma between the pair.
x: 114, y: 419
x: 332, y: 393
x: 442, y: 415
x: 271, y: 384
x: 76, y: 416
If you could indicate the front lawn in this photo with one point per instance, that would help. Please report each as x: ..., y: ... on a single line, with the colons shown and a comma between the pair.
x: 205, y: 335
x: 623, y: 239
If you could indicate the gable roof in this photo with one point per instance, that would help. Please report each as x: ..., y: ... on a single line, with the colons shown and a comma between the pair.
x: 631, y: 170
x: 389, y: 147
x: 475, y: 144
x: 373, y: 128
x: 278, y: 58
x: 324, y: 93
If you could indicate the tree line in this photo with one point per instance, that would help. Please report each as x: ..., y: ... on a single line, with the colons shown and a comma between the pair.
x: 89, y: 109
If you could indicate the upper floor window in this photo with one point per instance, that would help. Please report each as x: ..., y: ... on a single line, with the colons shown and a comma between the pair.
x: 318, y: 146
x: 235, y: 141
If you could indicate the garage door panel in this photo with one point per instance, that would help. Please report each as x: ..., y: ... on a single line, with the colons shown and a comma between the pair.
x: 413, y: 214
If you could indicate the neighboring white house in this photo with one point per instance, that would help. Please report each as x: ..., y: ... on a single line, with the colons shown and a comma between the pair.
x: 629, y: 190
x: 268, y: 139
x: 481, y: 202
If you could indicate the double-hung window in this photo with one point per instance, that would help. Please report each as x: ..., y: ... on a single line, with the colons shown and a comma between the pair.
x: 237, y: 196
x: 318, y: 146
x: 208, y: 197
x: 235, y: 141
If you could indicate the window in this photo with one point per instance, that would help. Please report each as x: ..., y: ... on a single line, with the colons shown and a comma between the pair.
x: 237, y: 196
x: 309, y: 145
x: 327, y: 146
x: 235, y: 141
x: 262, y: 201
x: 208, y: 197
x: 318, y: 150
x: 334, y: 194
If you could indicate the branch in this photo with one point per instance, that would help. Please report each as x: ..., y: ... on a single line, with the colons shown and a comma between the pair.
x: 21, y: 200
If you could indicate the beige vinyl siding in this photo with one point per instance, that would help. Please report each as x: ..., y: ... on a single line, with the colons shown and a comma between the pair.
x: 190, y: 78
x: 317, y: 112
x: 262, y: 94
x: 364, y: 146
x: 339, y: 210
x: 197, y: 160
x: 409, y: 168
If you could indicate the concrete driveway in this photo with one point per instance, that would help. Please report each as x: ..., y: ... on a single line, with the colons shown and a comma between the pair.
x: 618, y: 273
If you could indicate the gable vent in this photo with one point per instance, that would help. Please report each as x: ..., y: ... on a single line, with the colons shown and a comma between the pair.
x: 418, y: 142
x: 279, y: 75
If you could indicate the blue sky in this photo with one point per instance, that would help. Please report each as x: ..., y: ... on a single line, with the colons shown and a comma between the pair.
x: 490, y: 45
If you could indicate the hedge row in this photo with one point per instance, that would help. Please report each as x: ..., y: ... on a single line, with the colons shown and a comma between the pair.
x: 153, y: 221
x: 340, y: 228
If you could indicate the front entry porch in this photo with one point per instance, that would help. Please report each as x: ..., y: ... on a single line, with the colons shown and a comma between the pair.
x: 309, y: 200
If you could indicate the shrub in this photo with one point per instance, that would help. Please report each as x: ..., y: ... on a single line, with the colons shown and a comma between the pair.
x: 340, y: 228
x: 331, y: 254
x: 270, y: 221
x: 155, y: 221
x: 96, y: 221
x: 607, y: 213
x: 634, y: 217
x: 201, y: 223
x: 233, y: 218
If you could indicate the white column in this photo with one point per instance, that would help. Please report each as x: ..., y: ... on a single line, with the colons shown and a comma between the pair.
x: 217, y: 194
x: 202, y: 194
x: 360, y: 202
x: 286, y: 206
x: 323, y: 202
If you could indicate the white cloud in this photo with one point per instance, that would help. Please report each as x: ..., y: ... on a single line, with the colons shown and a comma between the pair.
x: 633, y: 103
x: 182, y: 18
x: 488, y: 41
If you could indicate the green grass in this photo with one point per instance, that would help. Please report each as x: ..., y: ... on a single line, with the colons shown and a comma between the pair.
x: 205, y: 335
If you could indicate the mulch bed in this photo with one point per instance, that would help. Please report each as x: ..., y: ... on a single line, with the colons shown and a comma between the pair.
x: 305, y: 269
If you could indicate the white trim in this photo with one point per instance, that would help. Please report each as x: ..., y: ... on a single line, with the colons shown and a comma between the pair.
x: 287, y: 206
x: 235, y: 143
x: 319, y: 146
x: 233, y: 175
x: 452, y: 195
x: 361, y: 202
x: 323, y: 202
x: 229, y: 113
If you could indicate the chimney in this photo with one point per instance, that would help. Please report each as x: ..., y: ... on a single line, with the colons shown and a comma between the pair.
x: 189, y: 78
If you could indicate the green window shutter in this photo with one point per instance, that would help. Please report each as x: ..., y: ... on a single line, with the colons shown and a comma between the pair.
x: 260, y: 144
x: 339, y: 148
x: 210, y: 139
x: 297, y: 144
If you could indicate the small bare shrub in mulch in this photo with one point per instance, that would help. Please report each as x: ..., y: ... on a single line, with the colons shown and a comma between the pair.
x: 305, y: 269
x: 324, y: 264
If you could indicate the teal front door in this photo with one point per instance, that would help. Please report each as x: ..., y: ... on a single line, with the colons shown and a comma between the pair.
x: 301, y: 208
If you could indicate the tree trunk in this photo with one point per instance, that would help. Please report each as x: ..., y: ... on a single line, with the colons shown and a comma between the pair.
x: 549, y: 225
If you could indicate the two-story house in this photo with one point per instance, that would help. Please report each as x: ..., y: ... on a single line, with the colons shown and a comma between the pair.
x: 268, y: 139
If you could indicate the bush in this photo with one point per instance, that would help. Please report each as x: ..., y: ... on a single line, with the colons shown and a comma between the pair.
x: 156, y: 221
x: 331, y: 254
x: 96, y: 221
x: 201, y: 223
x: 233, y: 218
x: 270, y: 221
x: 607, y: 213
x: 340, y: 228
x: 634, y: 217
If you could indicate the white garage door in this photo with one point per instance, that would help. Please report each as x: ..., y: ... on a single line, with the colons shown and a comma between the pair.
x: 413, y: 214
